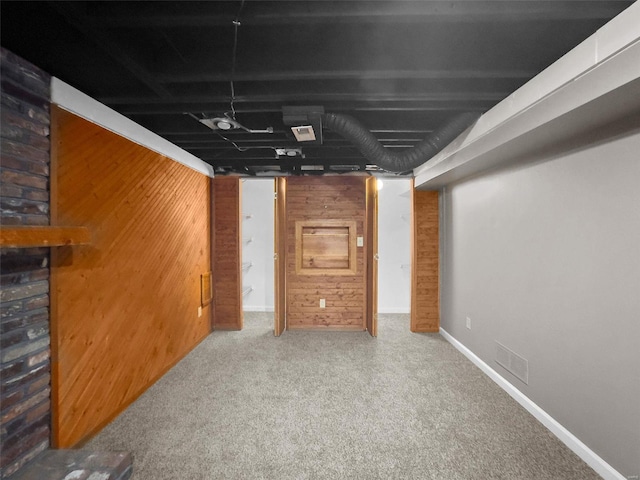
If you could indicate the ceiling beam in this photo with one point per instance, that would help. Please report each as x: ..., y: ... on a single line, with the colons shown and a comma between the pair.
x: 285, y: 143
x: 329, y: 96
x: 266, y: 159
x: 184, y: 136
x: 447, y: 101
x: 276, y: 107
x: 288, y: 13
x: 301, y: 75
x: 201, y: 107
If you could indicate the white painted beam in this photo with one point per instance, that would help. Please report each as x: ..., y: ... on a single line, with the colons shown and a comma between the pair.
x: 78, y: 103
x: 593, y: 85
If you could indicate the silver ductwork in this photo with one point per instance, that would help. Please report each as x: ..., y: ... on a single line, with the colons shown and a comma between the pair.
x: 353, y: 131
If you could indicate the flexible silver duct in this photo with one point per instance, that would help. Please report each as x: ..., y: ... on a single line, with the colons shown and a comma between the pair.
x: 352, y: 130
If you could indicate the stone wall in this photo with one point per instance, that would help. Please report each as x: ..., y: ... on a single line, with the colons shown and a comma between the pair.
x: 24, y: 274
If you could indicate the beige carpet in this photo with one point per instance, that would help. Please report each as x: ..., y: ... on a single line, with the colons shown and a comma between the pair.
x: 331, y: 405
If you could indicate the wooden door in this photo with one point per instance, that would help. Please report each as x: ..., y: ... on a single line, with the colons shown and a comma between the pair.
x: 326, y: 285
x: 279, y: 256
x: 372, y: 256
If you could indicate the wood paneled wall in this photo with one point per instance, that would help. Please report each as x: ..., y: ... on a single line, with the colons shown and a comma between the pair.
x: 227, y: 256
x: 125, y: 308
x: 328, y: 198
x: 425, y: 282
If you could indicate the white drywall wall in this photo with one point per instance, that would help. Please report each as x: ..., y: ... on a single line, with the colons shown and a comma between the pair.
x: 257, y: 243
x: 545, y: 259
x: 394, y: 244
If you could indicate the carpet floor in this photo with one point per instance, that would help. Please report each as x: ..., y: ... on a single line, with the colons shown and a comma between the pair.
x: 333, y: 405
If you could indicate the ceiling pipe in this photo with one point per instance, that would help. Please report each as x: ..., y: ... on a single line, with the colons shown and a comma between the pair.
x: 226, y: 123
x: 352, y: 130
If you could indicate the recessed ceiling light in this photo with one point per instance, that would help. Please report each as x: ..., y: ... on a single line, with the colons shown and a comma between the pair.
x: 223, y: 125
x: 289, y: 152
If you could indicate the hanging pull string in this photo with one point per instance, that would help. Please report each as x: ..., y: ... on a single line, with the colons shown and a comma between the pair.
x: 236, y: 24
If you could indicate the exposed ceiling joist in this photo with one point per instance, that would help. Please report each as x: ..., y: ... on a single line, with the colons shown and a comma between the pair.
x: 314, y: 12
x: 289, y: 75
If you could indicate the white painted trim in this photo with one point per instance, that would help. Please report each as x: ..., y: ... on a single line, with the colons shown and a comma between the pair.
x: 605, y: 470
x: 78, y: 103
x: 258, y: 308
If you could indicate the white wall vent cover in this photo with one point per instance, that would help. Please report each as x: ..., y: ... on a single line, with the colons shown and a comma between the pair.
x: 513, y: 362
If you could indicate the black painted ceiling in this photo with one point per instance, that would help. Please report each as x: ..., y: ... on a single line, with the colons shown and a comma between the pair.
x: 403, y: 69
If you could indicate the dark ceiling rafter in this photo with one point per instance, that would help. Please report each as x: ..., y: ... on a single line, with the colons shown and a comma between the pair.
x: 359, y: 75
x: 276, y: 106
x: 320, y: 12
x: 310, y: 97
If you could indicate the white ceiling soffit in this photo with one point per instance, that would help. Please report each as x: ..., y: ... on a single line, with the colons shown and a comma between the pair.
x: 74, y: 101
x: 594, y: 85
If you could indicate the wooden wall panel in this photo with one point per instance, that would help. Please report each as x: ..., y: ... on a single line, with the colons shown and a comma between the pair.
x: 328, y: 198
x: 425, y: 280
x: 126, y: 306
x: 227, y: 256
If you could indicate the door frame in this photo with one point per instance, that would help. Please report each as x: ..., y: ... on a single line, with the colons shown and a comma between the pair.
x: 371, y: 256
x: 279, y: 256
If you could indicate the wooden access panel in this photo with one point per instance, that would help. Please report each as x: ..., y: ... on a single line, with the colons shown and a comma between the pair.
x: 338, y: 201
x: 425, y: 282
x: 227, y: 253
x: 124, y: 309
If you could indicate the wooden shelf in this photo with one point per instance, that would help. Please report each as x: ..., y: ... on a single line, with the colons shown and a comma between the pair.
x: 43, y: 236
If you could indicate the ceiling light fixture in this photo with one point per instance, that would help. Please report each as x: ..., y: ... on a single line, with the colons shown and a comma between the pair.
x: 289, y: 152
x: 226, y: 123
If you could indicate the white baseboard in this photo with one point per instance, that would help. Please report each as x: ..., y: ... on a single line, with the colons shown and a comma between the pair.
x: 257, y: 308
x: 605, y: 470
x: 393, y: 310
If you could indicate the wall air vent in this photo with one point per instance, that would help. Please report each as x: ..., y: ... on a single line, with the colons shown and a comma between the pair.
x: 304, y: 133
x: 513, y: 362
x: 305, y: 122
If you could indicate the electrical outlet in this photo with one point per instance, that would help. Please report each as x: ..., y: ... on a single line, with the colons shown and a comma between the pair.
x: 469, y: 323
x: 323, y: 303
x: 199, y: 311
